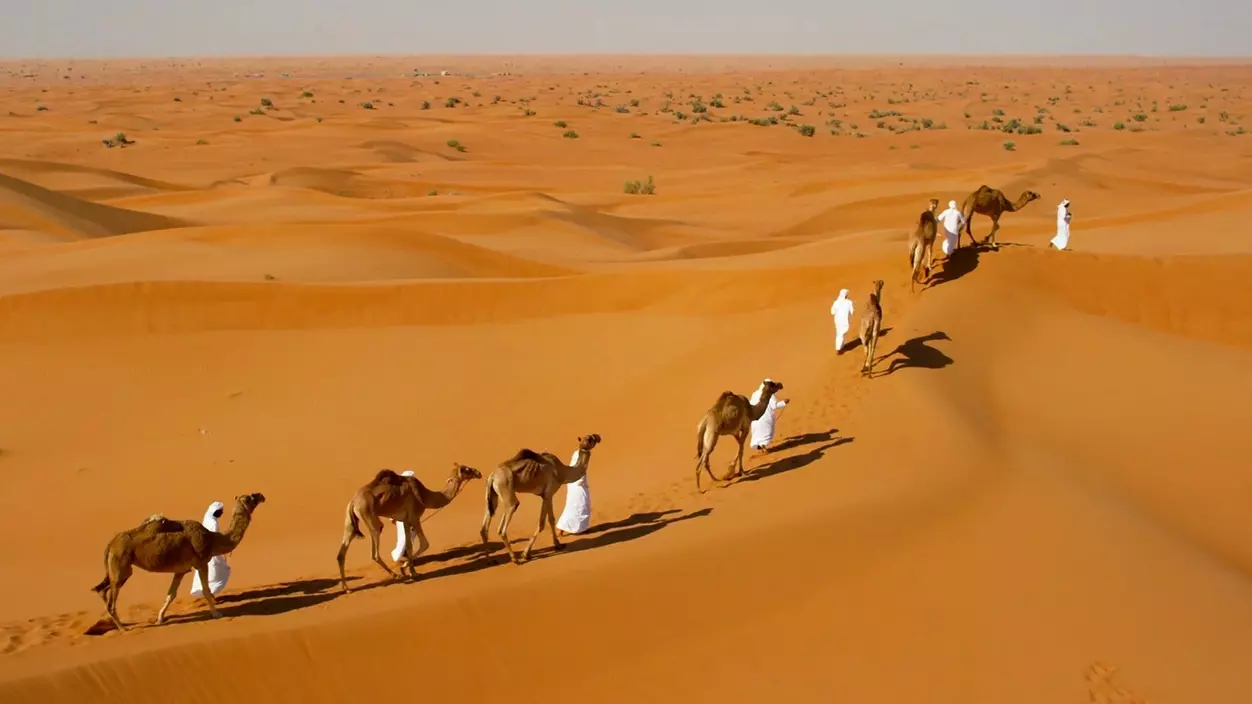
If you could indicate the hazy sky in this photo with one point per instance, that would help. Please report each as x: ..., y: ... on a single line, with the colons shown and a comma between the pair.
x: 86, y: 28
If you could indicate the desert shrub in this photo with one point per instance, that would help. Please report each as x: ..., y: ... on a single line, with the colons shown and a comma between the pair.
x: 570, y: 134
x: 621, y: 109
x: 451, y: 102
x: 267, y: 103
x: 1010, y: 146
x: 1069, y: 142
x: 201, y: 142
x: 806, y: 130
x: 1139, y: 117
x: 256, y: 111
x: 307, y: 94
x: 238, y: 118
x: 1119, y: 125
x: 1178, y: 107
x: 455, y: 145
x: 639, y: 188
x: 634, y: 135
x: 559, y: 123
x: 1062, y: 128
x: 368, y: 105
x: 1200, y: 119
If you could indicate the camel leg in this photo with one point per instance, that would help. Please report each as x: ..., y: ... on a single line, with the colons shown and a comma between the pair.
x: 422, y: 545
x: 543, y: 520
x: 348, y: 534
x: 203, y: 571
x: 741, y: 437
x: 376, y: 530
x: 109, y: 595
x: 556, y: 544
x: 991, y: 236
x: 873, y: 348
x: 169, y: 598
x: 703, y: 462
x: 503, y: 529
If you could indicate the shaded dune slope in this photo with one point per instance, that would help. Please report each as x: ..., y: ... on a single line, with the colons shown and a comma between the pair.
x: 893, y: 553
x: 65, y: 214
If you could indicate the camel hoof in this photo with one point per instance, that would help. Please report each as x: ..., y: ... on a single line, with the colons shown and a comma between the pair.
x: 558, y: 546
x: 215, y: 614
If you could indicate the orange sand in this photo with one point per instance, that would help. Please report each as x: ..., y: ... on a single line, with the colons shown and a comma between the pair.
x: 1049, y: 481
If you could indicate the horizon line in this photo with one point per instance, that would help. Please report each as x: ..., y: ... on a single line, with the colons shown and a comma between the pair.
x: 1206, y: 58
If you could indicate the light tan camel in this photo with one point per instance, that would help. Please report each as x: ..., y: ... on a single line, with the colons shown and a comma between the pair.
x: 992, y: 203
x: 923, y: 243
x: 530, y: 472
x: 162, y: 544
x: 400, y: 498
x: 731, y: 414
x: 871, y: 325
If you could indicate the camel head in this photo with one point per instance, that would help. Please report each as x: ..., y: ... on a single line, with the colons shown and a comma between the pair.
x: 934, y: 204
x: 462, y: 473
x: 770, y: 387
x: 878, y: 288
x: 586, y: 442
x: 248, y: 502
x: 1029, y: 196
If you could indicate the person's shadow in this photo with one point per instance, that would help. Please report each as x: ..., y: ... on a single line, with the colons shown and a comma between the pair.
x: 916, y: 353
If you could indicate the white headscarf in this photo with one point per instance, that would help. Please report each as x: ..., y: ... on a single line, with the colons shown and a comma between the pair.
x: 951, y: 205
x: 210, y: 521
x: 843, y: 294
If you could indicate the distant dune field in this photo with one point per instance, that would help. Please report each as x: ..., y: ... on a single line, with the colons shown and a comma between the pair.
x: 295, y: 272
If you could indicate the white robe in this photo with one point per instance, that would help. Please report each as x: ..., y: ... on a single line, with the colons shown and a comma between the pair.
x: 842, y: 312
x: 1061, y: 239
x: 219, y: 570
x: 401, y: 536
x: 763, y: 427
x: 576, y: 517
x: 951, y: 221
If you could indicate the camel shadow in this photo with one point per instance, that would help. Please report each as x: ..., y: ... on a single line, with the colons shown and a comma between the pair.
x: 916, y: 353
x: 855, y: 342
x: 801, y: 440
x: 961, y: 262
x: 788, y: 464
x: 632, y: 528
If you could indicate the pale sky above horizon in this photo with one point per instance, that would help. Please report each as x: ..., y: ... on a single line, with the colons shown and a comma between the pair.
x: 146, y: 28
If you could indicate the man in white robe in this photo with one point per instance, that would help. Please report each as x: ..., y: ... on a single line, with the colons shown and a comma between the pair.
x: 842, y: 312
x: 219, y: 570
x: 576, y: 517
x: 950, y: 223
x: 763, y: 427
x: 401, y: 535
x: 1061, y: 239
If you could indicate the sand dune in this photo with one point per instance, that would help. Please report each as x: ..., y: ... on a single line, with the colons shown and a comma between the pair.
x: 1039, y: 496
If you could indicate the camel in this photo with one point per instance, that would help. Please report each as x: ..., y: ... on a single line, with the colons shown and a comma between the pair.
x: 923, y: 242
x: 992, y: 203
x: 160, y: 544
x: 731, y: 414
x: 404, y: 499
x: 871, y: 325
x: 530, y: 472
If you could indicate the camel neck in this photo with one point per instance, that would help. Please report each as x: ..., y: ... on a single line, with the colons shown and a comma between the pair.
x: 762, y: 404
x: 439, y: 499
x: 576, y: 471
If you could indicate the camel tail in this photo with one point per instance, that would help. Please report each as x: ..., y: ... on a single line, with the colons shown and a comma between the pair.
x: 104, y: 584
x: 352, y: 520
x: 704, y: 422
x: 493, y: 498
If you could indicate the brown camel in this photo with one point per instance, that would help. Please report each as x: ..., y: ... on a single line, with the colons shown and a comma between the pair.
x: 530, y: 472
x: 731, y: 414
x: 161, y: 544
x: 871, y: 325
x: 923, y: 242
x: 992, y: 203
x: 400, y: 498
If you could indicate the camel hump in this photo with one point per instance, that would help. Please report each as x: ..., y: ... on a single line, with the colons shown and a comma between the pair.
x: 527, y: 455
x: 383, y: 476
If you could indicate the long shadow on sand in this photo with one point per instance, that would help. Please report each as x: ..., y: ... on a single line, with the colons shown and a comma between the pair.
x: 788, y: 464
x: 916, y: 353
x: 805, y: 439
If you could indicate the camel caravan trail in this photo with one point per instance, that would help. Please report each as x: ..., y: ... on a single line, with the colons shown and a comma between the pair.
x: 296, y: 282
